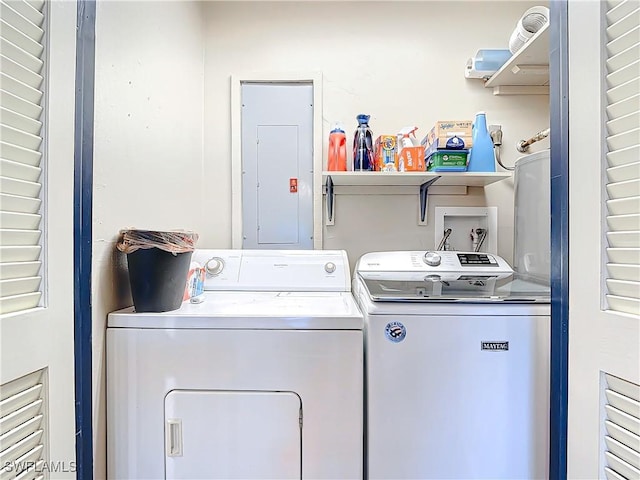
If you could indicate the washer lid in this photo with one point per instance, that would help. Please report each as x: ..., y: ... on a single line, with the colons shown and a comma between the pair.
x: 252, y: 310
x: 444, y: 276
x: 496, y: 305
x: 452, y: 287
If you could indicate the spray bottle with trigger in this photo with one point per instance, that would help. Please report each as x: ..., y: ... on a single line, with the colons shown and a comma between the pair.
x: 404, y: 136
x: 405, y: 141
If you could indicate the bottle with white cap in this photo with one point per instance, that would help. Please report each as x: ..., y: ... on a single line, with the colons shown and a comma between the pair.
x: 481, y: 157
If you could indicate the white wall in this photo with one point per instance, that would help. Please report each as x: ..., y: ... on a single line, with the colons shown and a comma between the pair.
x: 162, y: 116
x: 402, y: 63
x: 148, y: 147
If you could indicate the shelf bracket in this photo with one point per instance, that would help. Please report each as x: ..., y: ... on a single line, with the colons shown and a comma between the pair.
x: 330, y: 200
x: 424, y: 190
x: 521, y: 90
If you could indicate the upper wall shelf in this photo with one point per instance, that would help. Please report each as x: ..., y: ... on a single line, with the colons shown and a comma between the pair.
x: 468, y: 179
x: 526, y: 72
x: 423, y: 180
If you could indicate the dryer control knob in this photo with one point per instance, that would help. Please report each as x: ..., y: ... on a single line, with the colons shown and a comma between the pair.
x: 432, y: 259
x: 329, y: 267
x: 214, y: 266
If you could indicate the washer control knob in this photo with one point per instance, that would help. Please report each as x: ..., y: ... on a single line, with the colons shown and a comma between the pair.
x: 329, y: 267
x: 432, y: 259
x: 214, y: 266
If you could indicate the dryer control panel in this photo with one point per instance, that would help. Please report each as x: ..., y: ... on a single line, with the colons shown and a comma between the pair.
x: 275, y: 270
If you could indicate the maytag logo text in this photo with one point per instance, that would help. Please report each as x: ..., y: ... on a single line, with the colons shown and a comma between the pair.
x: 495, y: 346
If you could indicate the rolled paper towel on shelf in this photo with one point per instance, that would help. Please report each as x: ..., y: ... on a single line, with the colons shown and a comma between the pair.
x: 486, y: 62
x: 529, y: 24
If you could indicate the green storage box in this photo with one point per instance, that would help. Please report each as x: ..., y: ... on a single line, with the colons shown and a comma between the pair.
x: 447, y: 161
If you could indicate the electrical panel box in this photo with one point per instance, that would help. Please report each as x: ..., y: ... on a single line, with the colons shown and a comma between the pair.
x: 467, y: 229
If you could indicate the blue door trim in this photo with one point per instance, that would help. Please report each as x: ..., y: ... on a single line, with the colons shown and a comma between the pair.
x: 82, y: 233
x: 559, y: 112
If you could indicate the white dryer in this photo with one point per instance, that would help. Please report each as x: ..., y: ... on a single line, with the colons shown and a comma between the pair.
x: 457, y: 367
x: 263, y: 379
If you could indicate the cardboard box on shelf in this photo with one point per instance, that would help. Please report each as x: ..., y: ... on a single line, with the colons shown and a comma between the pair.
x: 444, y: 130
x: 385, y: 153
x: 411, y: 159
x: 448, y: 161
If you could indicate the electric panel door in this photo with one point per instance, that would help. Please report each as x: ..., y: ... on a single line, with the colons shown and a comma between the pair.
x: 277, y: 166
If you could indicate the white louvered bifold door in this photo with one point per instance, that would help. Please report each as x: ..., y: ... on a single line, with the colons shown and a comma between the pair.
x: 22, y: 428
x: 623, y: 155
x: 622, y: 429
x: 21, y: 99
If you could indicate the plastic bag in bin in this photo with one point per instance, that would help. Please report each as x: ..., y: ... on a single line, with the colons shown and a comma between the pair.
x: 171, y: 241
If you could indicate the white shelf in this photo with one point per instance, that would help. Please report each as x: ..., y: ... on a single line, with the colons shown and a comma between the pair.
x: 421, y: 180
x: 468, y: 179
x: 527, y: 69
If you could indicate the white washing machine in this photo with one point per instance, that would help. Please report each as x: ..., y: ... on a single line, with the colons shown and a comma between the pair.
x: 263, y: 379
x: 457, y: 367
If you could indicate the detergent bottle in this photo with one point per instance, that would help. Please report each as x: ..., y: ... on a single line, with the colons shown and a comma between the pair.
x: 337, y: 161
x: 481, y: 158
x: 363, y: 145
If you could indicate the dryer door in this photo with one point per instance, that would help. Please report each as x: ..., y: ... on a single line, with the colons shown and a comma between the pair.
x: 232, y: 435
